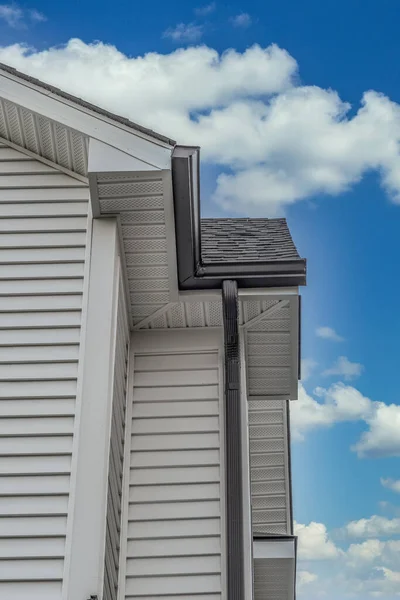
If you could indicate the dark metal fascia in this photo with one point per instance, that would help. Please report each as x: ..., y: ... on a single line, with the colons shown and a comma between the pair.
x: 233, y: 444
x: 193, y: 273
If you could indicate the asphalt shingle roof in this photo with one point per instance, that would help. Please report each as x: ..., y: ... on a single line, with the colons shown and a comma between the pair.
x: 246, y: 240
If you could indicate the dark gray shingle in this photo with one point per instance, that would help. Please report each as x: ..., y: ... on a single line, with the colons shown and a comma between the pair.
x: 246, y: 240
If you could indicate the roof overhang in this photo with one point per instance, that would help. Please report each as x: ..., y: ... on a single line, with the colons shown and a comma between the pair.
x: 53, y: 124
x: 274, y: 566
x: 193, y: 273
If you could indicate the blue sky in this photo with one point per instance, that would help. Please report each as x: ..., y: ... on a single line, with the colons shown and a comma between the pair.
x: 337, y: 184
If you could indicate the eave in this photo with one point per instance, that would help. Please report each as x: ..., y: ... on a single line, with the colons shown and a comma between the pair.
x: 193, y: 272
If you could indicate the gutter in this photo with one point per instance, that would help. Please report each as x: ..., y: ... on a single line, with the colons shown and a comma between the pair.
x: 233, y: 444
x: 193, y: 273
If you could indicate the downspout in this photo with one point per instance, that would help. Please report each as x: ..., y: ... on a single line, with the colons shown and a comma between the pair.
x: 233, y: 443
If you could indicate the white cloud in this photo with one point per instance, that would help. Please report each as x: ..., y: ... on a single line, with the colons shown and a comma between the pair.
x: 307, y: 367
x: 374, y: 527
x: 305, y: 578
x: 314, y: 543
x: 205, y: 10
x: 328, y: 334
x: 37, y: 16
x: 389, y: 574
x: 340, y: 403
x: 242, y: 20
x: 367, y: 568
x: 391, y: 484
x: 343, y: 367
x: 275, y: 142
x: 17, y: 17
x: 366, y: 552
x: 373, y: 551
x: 11, y: 14
x: 382, y: 438
x: 184, y: 32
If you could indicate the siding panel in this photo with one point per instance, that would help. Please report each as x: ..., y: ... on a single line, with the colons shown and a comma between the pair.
x: 43, y: 226
x: 113, y: 529
x: 173, y: 523
x: 269, y: 456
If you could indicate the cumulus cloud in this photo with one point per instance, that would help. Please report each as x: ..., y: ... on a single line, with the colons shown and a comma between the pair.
x: 341, y: 403
x: 345, y: 368
x: 314, y: 543
x: 382, y: 438
x: 367, y: 568
x: 373, y: 551
x: 391, y: 484
x: 305, y: 578
x: 307, y: 367
x: 17, y: 17
x: 184, y: 32
x: 374, y: 527
x: 337, y: 404
x: 328, y: 333
x: 274, y: 142
x: 207, y: 9
x: 242, y: 20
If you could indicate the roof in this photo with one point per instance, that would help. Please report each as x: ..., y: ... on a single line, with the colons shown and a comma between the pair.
x: 246, y: 240
x: 100, y: 111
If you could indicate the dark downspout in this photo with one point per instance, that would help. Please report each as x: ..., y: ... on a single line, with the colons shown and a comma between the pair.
x: 233, y: 445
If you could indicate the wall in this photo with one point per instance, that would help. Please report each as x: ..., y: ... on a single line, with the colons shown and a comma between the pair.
x: 115, y: 466
x: 173, y: 528
x: 269, y: 466
x: 43, y: 238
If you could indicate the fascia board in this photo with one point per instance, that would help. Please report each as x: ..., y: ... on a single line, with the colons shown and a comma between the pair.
x: 60, y: 110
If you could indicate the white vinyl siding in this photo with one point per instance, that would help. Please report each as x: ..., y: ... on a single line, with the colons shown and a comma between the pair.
x: 43, y: 225
x: 115, y: 466
x: 173, y: 521
x: 269, y: 466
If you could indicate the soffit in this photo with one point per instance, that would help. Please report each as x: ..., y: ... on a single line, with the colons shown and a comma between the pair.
x: 271, y: 337
x: 48, y: 139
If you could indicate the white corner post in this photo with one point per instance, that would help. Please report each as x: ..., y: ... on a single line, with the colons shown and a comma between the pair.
x: 86, y: 546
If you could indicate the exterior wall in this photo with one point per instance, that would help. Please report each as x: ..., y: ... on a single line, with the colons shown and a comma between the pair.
x: 269, y: 466
x: 43, y: 226
x: 271, y: 357
x: 173, y: 516
x: 115, y: 466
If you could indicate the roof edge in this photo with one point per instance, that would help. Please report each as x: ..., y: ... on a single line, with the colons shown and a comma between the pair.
x: 193, y: 273
x: 80, y: 103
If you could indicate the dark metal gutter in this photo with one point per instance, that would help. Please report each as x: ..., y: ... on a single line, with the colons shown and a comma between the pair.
x: 233, y: 444
x: 193, y: 273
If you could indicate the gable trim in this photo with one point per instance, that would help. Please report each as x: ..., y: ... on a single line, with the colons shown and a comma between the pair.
x: 76, y: 117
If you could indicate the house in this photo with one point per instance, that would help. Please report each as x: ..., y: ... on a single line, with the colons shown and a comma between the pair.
x: 147, y: 361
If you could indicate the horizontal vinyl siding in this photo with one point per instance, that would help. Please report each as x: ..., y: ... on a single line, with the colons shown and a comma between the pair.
x: 269, y: 462
x: 173, y: 522
x: 113, y: 528
x: 43, y: 223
